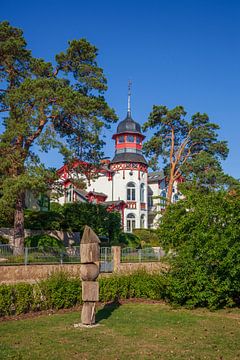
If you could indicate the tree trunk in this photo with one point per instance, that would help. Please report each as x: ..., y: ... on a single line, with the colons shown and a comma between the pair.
x: 169, y: 192
x: 18, y: 237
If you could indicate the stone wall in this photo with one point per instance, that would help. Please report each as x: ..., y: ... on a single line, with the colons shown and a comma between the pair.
x: 33, y: 273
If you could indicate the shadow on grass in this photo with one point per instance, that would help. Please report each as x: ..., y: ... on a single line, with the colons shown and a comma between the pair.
x: 107, y: 311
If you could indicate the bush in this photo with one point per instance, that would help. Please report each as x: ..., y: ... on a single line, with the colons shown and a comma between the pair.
x: 3, y: 240
x: 129, y: 240
x: 148, y: 237
x: 43, y: 242
x: 60, y: 291
x: 204, y: 229
x: 43, y: 220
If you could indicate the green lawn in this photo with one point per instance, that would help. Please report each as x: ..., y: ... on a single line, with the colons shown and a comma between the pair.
x: 129, y: 331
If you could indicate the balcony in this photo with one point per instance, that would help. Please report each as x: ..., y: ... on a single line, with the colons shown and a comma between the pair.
x: 131, y: 204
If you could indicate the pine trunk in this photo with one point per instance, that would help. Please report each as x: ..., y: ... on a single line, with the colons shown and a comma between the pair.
x: 170, y: 190
x: 18, y: 238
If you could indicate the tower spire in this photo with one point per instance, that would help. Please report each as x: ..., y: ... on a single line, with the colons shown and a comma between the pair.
x: 129, y: 97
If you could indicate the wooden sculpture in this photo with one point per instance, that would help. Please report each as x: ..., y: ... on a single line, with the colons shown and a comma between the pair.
x: 89, y: 271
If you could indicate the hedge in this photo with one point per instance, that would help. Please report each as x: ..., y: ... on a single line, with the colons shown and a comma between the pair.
x: 59, y: 291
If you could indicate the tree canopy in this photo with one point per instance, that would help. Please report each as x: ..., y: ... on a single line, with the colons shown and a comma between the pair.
x: 188, y: 149
x: 203, y: 233
x: 46, y: 106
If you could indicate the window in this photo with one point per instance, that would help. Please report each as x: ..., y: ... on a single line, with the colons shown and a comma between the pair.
x: 69, y: 194
x: 131, y: 222
x: 121, y: 139
x: 138, y: 139
x: 131, y: 195
x: 163, y: 196
x: 175, y: 198
x: 150, y: 201
x: 142, y: 221
x: 130, y: 138
x: 142, y: 190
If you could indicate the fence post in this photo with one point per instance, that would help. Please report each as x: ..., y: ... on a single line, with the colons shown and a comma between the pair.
x: 25, y: 256
x: 116, y: 252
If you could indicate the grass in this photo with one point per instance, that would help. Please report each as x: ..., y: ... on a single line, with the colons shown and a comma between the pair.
x: 129, y: 331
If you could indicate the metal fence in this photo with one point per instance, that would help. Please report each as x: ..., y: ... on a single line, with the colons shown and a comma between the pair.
x: 49, y: 255
x: 141, y: 255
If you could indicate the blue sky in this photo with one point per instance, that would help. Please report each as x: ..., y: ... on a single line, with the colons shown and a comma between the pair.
x: 175, y: 52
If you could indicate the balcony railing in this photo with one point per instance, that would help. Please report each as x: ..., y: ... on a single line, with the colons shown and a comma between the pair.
x: 131, y: 204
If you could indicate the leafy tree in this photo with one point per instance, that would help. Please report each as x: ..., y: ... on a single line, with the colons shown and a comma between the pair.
x: 203, y: 232
x: 189, y: 149
x: 46, y: 107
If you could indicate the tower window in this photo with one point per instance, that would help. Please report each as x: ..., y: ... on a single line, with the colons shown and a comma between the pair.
x: 131, y: 192
x: 120, y: 139
x: 130, y: 138
x: 131, y: 222
x: 138, y: 140
x: 142, y: 188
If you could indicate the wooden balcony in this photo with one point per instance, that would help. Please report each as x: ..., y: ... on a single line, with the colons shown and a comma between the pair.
x: 131, y: 204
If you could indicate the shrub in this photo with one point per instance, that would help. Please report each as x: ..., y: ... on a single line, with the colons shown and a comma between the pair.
x: 3, y: 240
x: 204, y: 229
x: 6, y: 300
x: 43, y: 242
x: 60, y: 291
x: 148, y: 237
x: 43, y: 220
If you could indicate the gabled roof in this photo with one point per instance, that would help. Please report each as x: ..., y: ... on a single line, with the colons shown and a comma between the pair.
x: 155, y: 176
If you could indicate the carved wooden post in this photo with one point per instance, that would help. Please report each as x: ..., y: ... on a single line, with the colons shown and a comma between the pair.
x: 90, y: 256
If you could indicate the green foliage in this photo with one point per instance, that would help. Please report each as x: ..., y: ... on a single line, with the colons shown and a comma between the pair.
x: 23, y: 298
x: 188, y: 149
x: 6, y: 299
x: 46, y: 108
x: 129, y: 240
x: 43, y: 241
x: 60, y: 291
x: 43, y: 220
x: 148, y: 237
x: 104, y: 223
x: 3, y: 240
x: 74, y: 216
x: 204, y: 232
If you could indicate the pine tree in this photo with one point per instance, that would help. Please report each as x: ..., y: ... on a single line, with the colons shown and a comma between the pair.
x: 46, y: 106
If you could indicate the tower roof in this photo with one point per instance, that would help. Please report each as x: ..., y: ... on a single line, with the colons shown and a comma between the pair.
x: 128, y: 125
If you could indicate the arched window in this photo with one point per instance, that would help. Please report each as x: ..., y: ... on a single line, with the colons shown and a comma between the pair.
x: 131, y: 193
x: 142, y: 190
x: 142, y: 221
x: 131, y: 222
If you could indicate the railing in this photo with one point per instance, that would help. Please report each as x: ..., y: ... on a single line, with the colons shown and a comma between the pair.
x: 141, y: 255
x: 106, y: 259
x: 10, y: 255
x: 131, y: 204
